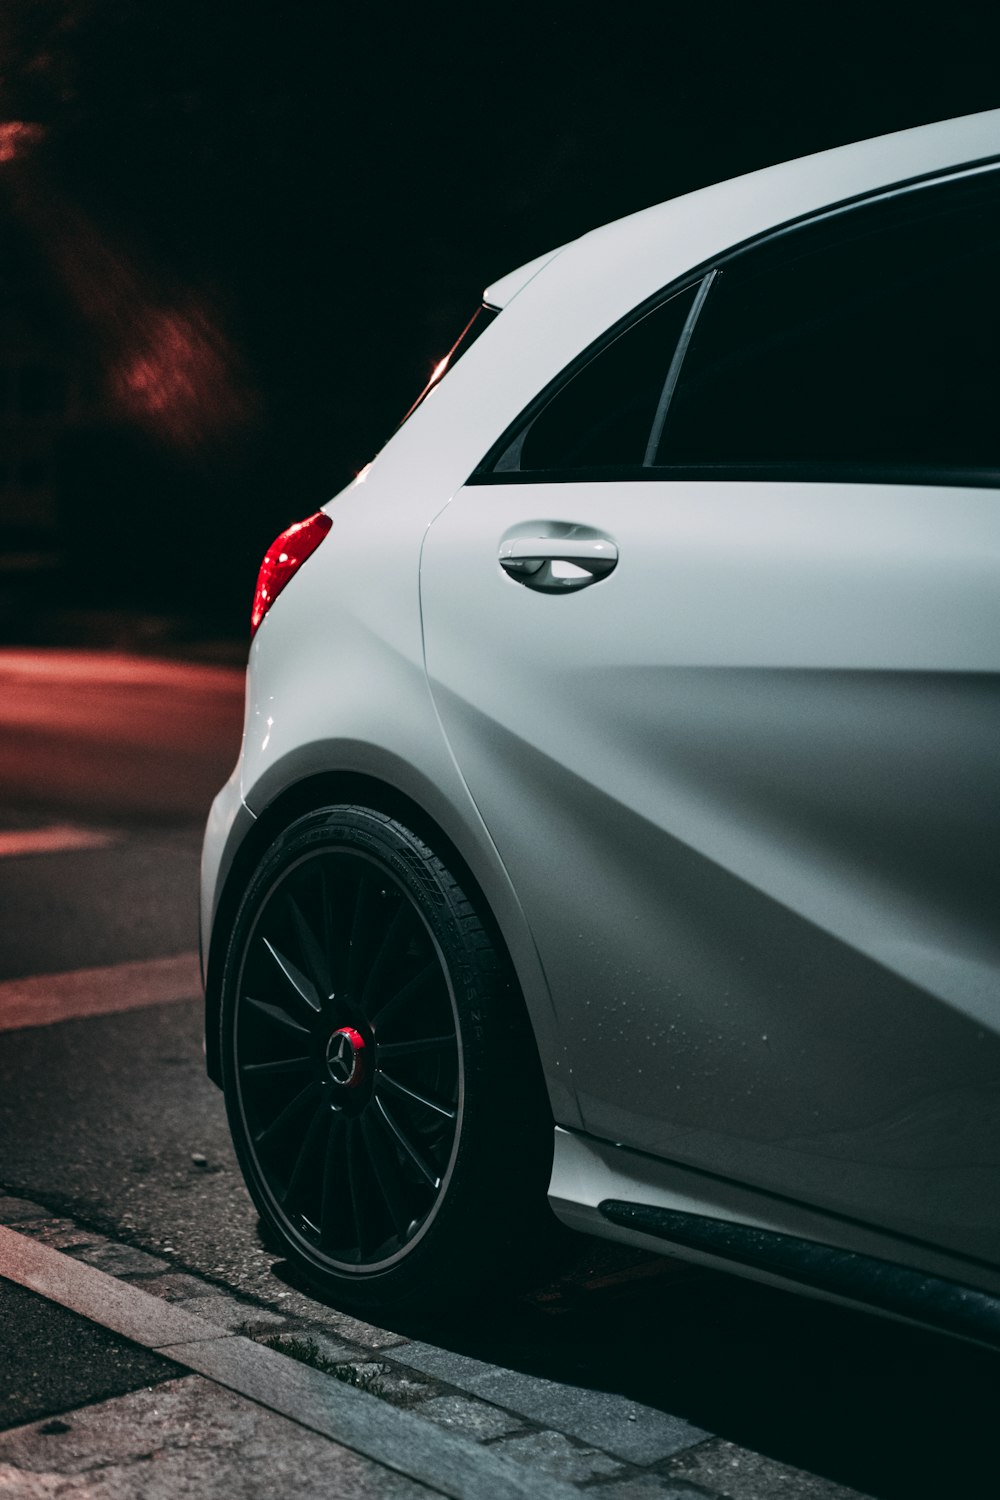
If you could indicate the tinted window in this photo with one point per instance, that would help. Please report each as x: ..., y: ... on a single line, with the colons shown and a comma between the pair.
x: 602, y: 417
x: 868, y: 339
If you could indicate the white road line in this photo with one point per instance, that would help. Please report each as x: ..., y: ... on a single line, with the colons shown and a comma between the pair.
x: 42, y: 999
x: 119, y: 667
x: 51, y: 840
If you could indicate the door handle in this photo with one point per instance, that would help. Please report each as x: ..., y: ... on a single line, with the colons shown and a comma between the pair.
x: 557, y: 564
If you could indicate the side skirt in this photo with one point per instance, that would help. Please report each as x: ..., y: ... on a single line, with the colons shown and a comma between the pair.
x: 861, y: 1279
x: 609, y: 1190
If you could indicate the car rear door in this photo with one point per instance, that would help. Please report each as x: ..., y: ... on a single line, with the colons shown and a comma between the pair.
x: 730, y: 711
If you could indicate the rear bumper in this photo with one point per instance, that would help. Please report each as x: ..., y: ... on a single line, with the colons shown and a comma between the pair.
x: 229, y: 822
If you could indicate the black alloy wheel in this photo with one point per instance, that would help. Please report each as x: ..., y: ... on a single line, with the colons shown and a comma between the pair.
x: 370, y: 1039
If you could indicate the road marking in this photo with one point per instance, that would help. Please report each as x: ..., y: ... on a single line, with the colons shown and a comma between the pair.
x: 117, y: 667
x: 42, y: 999
x: 421, y: 1450
x: 51, y: 840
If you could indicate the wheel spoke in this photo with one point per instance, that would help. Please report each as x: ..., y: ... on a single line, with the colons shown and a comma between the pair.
x: 302, y: 986
x: 395, y: 1191
x: 317, y: 961
x: 412, y: 1151
x: 355, y: 1188
x: 337, y: 919
x: 285, y: 1116
x: 300, y: 1171
x: 279, y: 1017
x: 389, y: 951
x: 414, y: 990
x: 332, y: 1199
x: 364, y: 914
x: 419, y: 1044
x: 384, y: 1080
x: 277, y: 1068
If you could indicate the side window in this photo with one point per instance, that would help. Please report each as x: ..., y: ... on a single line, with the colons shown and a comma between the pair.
x: 601, y: 418
x: 868, y: 339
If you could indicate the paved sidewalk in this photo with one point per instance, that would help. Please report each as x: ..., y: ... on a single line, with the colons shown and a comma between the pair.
x: 187, y: 1389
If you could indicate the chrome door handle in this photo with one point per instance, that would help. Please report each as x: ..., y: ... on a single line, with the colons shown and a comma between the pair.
x: 557, y: 564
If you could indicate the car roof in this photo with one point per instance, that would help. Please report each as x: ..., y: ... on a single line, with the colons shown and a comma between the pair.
x: 499, y: 293
x: 680, y: 233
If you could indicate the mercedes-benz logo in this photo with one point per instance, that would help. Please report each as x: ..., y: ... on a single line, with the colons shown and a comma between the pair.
x: 345, y: 1058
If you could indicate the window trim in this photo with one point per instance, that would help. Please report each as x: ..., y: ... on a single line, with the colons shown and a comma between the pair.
x: 673, y: 373
x: 485, y: 471
x: 792, y: 472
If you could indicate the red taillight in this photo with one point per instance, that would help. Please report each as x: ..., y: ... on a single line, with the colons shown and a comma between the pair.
x: 284, y: 557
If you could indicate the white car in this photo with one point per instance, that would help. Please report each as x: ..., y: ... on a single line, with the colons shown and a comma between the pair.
x: 617, y: 821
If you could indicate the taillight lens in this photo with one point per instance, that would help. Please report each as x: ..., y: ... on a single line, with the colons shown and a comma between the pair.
x: 283, y: 558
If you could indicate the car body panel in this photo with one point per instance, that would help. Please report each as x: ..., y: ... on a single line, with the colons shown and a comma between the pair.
x: 229, y: 822
x: 753, y: 831
x: 499, y: 293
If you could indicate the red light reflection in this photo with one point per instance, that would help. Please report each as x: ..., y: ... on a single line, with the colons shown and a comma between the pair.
x: 15, y: 135
x: 173, y: 376
x: 168, y: 366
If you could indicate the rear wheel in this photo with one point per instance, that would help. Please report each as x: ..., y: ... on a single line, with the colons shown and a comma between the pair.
x: 381, y: 1080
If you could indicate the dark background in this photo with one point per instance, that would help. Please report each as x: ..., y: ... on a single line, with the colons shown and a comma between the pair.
x: 241, y: 236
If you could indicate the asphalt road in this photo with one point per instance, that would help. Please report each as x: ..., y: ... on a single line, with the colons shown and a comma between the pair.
x: 60, y: 1360
x: 108, y: 767
x: 115, y: 736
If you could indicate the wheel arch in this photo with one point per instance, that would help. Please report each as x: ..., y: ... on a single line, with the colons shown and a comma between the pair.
x: 314, y: 790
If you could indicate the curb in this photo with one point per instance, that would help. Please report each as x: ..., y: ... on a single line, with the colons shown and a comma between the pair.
x: 398, y: 1440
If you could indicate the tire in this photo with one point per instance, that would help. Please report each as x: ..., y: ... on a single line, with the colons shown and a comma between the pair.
x: 381, y: 1080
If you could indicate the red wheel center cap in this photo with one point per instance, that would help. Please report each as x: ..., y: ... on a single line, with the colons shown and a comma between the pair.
x: 345, y: 1058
